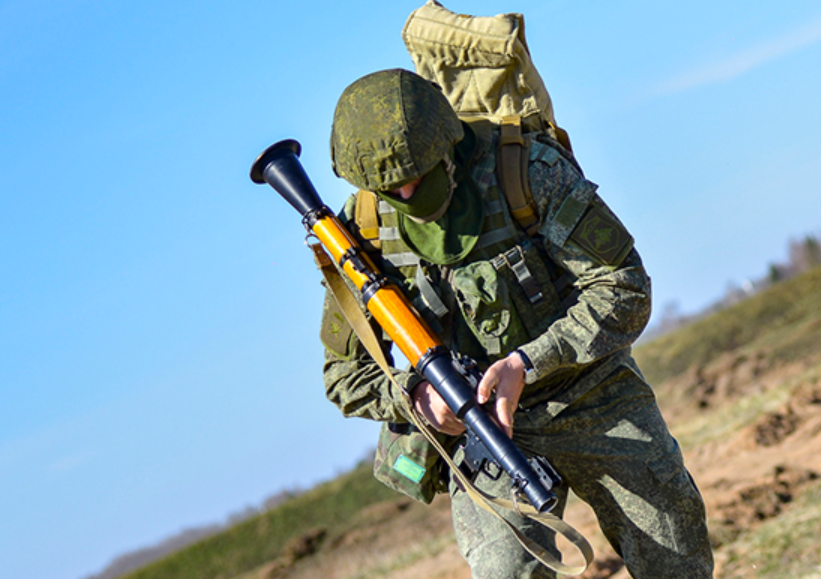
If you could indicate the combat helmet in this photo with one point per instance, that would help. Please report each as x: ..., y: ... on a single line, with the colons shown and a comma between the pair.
x: 390, y: 128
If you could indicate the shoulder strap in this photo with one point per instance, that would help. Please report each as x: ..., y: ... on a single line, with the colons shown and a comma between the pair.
x: 512, y: 162
x: 511, y: 168
x: 366, y: 218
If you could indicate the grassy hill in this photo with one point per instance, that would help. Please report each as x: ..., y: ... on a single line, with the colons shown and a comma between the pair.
x: 742, y: 393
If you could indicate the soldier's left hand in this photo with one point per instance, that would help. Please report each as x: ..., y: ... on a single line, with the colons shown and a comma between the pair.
x: 507, y: 378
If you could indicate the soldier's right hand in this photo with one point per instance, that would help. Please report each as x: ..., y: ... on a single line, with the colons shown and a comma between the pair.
x: 427, y: 401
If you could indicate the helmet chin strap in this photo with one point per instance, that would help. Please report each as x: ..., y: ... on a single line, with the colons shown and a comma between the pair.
x: 450, y: 169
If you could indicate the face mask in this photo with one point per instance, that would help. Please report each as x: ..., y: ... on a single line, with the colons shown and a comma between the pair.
x: 431, y: 198
x: 448, y: 236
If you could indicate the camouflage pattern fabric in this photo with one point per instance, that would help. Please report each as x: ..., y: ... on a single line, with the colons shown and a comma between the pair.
x: 587, y: 409
x: 612, y: 447
x: 389, y: 128
x: 406, y: 462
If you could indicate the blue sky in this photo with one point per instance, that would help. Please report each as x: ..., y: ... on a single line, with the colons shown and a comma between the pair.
x: 159, y: 360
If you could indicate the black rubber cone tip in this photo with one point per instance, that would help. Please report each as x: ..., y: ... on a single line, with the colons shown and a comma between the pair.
x: 270, y: 154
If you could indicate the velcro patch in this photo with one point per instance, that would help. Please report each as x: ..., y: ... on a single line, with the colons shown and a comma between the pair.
x: 409, y: 468
x: 602, y: 237
x: 336, y: 332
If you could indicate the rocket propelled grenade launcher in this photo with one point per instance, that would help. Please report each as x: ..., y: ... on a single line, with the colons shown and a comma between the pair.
x: 279, y: 166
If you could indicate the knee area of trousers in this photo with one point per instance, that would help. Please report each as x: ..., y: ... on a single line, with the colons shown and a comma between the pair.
x: 500, y: 560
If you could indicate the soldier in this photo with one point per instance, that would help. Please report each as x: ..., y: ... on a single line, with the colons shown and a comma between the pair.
x: 549, y: 318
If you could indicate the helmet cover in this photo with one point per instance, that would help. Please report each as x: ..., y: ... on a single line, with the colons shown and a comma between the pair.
x: 391, y: 127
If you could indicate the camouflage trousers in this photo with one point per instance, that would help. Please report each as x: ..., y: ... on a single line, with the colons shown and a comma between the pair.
x: 613, y: 449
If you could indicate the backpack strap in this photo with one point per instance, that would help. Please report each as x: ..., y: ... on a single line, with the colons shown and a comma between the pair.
x: 366, y: 220
x: 511, y: 167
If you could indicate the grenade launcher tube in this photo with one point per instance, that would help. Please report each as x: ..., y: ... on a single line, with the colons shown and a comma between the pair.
x: 279, y: 166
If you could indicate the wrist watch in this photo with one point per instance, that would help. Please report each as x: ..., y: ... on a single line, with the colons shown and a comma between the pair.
x: 530, y: 371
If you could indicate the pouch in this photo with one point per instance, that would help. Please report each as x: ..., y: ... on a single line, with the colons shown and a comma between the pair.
x: 408, y: 463
x: 487, y: 306
x: 536, y: 314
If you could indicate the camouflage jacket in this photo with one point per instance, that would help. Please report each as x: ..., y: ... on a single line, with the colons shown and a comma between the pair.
x: 595, y: 293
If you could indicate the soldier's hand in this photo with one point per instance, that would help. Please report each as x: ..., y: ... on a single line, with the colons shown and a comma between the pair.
x: 427, y: 401
x: 507, y: 378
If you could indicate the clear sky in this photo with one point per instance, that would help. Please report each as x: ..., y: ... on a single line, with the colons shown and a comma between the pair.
x: 159, y: 359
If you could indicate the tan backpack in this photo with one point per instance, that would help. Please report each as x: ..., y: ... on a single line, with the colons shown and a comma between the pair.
x: 483, y: 65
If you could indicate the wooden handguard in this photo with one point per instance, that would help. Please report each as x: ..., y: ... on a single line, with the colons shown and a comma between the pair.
x: 389, y: 306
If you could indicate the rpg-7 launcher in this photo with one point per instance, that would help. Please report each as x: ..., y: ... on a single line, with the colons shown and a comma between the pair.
x: 279, y: 166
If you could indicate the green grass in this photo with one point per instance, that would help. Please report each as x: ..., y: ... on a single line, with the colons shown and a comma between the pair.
x: 422, y: 550
x: 260, y: 539
x: 786, y: 318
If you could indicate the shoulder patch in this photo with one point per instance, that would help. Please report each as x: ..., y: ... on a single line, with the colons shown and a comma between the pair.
x: 602, y: 236
x: 570, y: 212
x: 336, y: 333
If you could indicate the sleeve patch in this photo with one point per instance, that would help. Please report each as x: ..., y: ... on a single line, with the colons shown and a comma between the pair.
x: 336, y: 332
x: 570, y: 212
x: 602, y: 237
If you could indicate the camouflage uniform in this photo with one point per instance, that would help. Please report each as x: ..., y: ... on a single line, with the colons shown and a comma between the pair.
x: 585, y: 405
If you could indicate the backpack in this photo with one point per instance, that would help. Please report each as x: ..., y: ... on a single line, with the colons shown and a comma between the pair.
x: 483, y: 66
